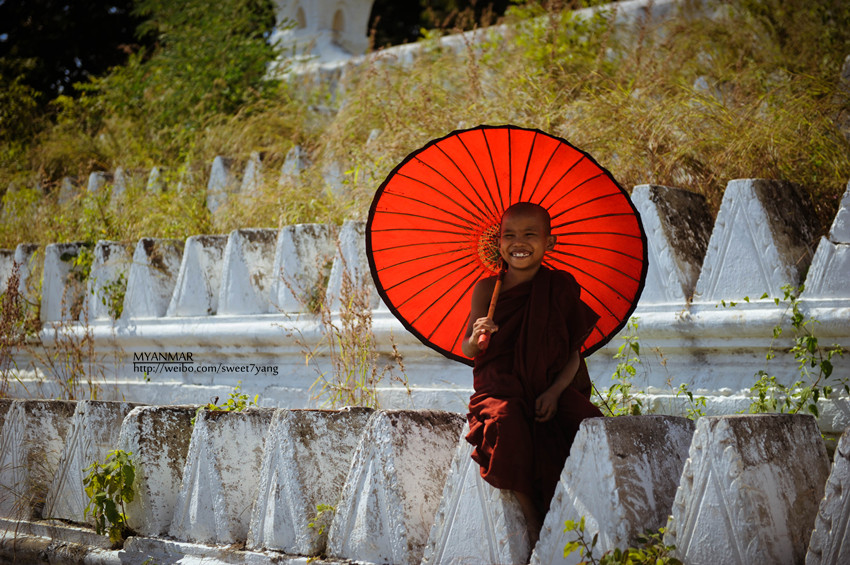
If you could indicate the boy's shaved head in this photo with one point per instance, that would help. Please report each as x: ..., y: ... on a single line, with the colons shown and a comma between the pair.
x: 529, y: 209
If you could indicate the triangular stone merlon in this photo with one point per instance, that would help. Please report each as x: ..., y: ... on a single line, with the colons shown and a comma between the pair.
x: 93, y: 433
x: 749, y: 491
x: 302, y: 263
x: 152, y: 277
x: 760, y: 242
x: 221, y: 476
x: 621, y: 477
x: 199, y: 279
x: 246, y: 277
x: 306, y: 458
x: 158, y: 439
x: 678, y: 225
x: 830, y: 541
x: 475, y: 523
x: 394, y: 485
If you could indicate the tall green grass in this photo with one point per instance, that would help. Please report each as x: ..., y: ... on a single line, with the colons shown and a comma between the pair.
x: 693, y: 102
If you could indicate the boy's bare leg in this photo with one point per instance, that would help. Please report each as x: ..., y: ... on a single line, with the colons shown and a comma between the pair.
x: 533, y: 523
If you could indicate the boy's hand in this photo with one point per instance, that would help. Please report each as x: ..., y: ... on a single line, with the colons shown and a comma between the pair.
x: 546, y: 406
x: 480, y: 327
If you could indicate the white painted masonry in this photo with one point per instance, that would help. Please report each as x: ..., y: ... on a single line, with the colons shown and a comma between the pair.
x: 476, y: 523
x: 749, y: 491
x: 621, y: 476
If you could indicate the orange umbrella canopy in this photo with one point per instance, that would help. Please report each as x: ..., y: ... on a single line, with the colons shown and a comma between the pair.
x: 433, y: 229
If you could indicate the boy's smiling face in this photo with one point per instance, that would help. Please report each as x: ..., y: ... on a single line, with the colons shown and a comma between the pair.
x: 525, y: 238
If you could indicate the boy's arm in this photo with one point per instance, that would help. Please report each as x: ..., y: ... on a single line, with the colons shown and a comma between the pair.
x: 478, y: 320
x: 546, y: 405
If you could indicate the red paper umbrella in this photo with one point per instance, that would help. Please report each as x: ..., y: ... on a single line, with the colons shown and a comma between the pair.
x: 434, y: 224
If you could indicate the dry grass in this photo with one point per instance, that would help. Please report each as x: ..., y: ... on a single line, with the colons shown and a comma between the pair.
x: 752, y: 92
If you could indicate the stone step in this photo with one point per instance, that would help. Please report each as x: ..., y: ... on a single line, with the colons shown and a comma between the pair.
x: 749, y: 491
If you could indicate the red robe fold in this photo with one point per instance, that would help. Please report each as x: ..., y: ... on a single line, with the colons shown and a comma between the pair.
x: 540, y: 323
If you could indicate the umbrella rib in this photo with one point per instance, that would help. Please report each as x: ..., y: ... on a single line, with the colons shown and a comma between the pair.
x: 415, y: 229
x: 420, y: 258
x: 545, y: 168
x: 469, y: 265
x: 598, y: 247
x: 481, y: 174
x: 463, y: 326
x: 585, y: 202
x: 426, y: 272
x: 438, y: 220
x: 603, y: 282
x: 589, y: 218
x: 486, y: 209
x: 527, y: 166
x: 595, y: 262
x: 417, y: 244
x: 452, y: 287
x: 419, y: 201
x: 456, y: 187
x: 493, y: 167
x: 557, y: 182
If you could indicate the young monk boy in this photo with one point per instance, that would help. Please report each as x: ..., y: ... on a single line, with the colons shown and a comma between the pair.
x: 531, y: 385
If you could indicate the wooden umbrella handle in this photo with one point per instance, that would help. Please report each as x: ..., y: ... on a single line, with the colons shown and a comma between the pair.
x: 484, y: 339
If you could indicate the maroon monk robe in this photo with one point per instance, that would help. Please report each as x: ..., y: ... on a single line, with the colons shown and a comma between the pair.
x: 540, y: 323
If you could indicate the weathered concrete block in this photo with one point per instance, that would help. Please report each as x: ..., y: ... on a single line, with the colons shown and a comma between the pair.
x: 476, y: 522
x: 394, y: 485
x: 27, y: 257
x: 294, y: 164
x: 221, y: 476
x: 120, y: 181
x: 759, y: 243
x: 222, y: 183
x: 306, y: 459
x: 678, y: 227
x: 621, y: 475
x: 158, y: 438
x: 152, y: 278
x: 350, y: 271
x: 107, y: 282
x: 67, y: 190
x: 302, y: 264
x: 93, y: 433
x: 97, y: 180
x: 199, y: 280
x: 830, y: 541
x: 7, y: 265
x: 31, y: 442
x: 829, y: 273
x: 252, y: 176
x: 62, y: 289
x: 840, y: 230
x: 5, y: 405
x: 247, y: 272
x: 749, y: 491
x: 156, y: 180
